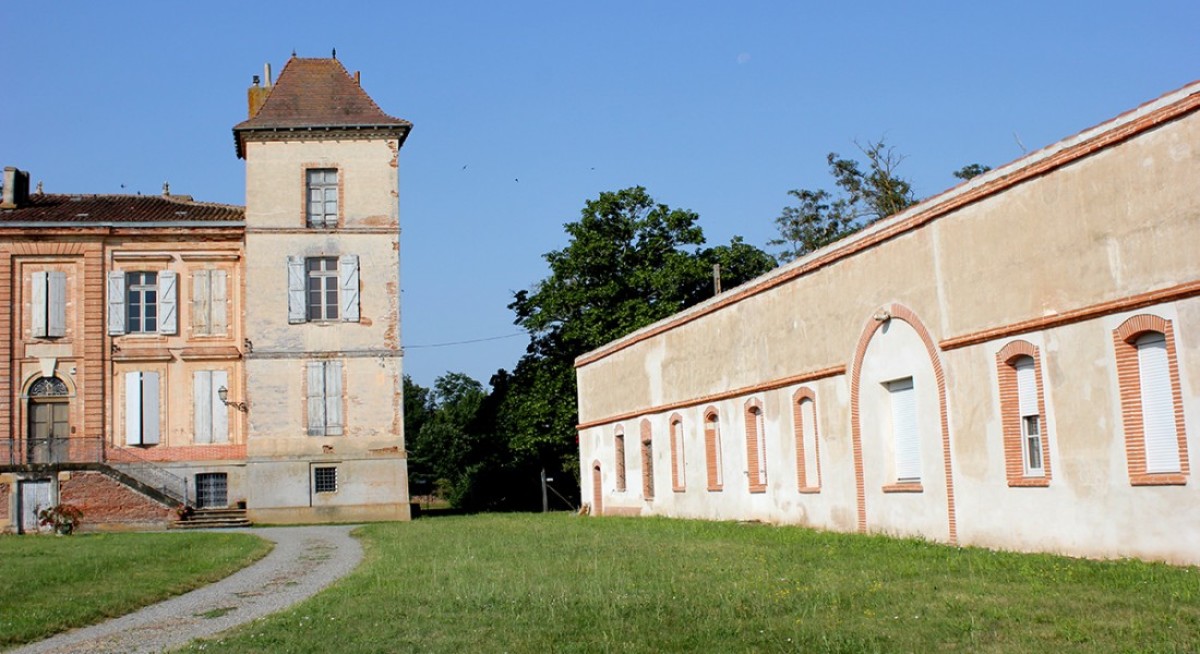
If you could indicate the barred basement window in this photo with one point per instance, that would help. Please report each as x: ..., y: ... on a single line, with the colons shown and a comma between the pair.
x: 325, y: 480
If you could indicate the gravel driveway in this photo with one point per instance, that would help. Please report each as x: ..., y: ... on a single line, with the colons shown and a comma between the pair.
x: 305, y: 560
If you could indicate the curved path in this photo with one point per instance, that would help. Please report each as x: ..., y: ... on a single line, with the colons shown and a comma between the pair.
x: 304, y: 560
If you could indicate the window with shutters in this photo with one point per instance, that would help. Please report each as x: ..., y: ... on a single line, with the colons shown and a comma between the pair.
x: 678, y: 470
x: 142, y: 292
x: 209, y: 310
x: 906, y: 450
x: 1023, y: 415
x: 756, y: 447
x: 322, y: 190
x: 142, y: 418
x: 324, y: 392
x: 48, y: 304
x: 619, y: 453
x: 1151, y: 401
x: 211, y: 416
x: 323, y: 289
x: 142, y: 302
x: 804, y: 417
x: 714, y: 464
x: 647, y: 461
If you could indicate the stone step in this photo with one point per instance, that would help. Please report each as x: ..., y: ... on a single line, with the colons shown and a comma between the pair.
x: 213, y: 519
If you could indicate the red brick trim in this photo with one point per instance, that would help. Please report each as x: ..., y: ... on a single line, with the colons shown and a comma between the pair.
x: 926, y: 212
x: 904, y: 487
x: 717, y: 397
x: 619, y: 455
x: 1130, y: 385
x: 678, y: 482
x: 647, y: 461
x: 753, y: 415
x: 1010, y: 419
x: 712, y: 449
x: 597, y: 489
x: 903, y: 313
x: 802, y: 479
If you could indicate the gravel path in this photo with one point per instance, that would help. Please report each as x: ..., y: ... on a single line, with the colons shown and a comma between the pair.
x: 305, y: 560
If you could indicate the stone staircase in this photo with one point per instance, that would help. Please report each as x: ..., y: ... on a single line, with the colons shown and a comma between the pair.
x: 213, y: 519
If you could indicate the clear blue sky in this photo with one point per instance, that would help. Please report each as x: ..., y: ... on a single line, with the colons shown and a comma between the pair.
x: 716, y: 107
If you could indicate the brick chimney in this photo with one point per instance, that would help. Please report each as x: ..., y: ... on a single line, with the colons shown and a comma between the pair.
x: 259, y: 92
x: 16, y: 188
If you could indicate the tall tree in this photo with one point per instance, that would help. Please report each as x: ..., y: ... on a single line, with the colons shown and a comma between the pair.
x: 971, y: 170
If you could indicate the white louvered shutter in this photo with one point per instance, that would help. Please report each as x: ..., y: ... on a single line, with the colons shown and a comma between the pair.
x: 56, y: 304
x: 219, y: 288
x: 348, y: 286
x: 201, y: 312
x: 116, y: 303
x: 220, y: 412
x: 38, y: 305
x: 904, y: 430
x: 1158, y: 407
x: 150, y: 398
x: 316, y: 398
x: 168, y: 304
x: 133, y: 408
x: 297, y: 307
x: 333, y: 398
x: 1027, y: 404
x: 202, y: 406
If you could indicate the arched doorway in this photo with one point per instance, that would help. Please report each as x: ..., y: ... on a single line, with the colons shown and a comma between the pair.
x: 49, y: 423
x: 597, y: 490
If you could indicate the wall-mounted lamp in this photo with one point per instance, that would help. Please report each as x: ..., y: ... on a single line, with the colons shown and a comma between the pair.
x: 883, y: 315
x: 223, y: 394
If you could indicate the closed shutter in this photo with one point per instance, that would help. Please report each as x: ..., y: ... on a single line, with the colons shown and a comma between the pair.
x: 316, y: 398
x: 168, y: 314
x: 1158, y: 407
x: 150, y: 396
x: 38, y: 305
x: 333, y: 398
x: 133, y: 408
x: 201, y: 292
x: 116, y: 303
x: 297, y: 308
x: 808, y: 420
x: 56, y: 304
x: 218, y: 297
x: 202, y: 406
x: 220, y: 412
x: 348, y: 286
x: 1026, y: 387
x: 904, y: 430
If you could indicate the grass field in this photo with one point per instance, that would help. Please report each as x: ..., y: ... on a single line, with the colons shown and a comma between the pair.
x: 559, y: 583
x: 55, y: 584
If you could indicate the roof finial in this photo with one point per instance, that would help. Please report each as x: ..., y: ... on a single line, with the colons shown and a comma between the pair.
x: 39, y: 187
x: 293, y: 52
x: 166, y: 189
x: 335, y: 53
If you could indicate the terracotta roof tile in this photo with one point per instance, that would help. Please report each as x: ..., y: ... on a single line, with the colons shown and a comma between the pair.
x: 57, y: 208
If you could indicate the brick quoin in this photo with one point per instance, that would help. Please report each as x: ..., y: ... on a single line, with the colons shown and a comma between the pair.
x: 1014, y: 462
x: 104, y: 500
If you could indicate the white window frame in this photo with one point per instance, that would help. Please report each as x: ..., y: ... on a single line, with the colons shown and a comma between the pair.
x: 906, y: 441
x: 339, y: 291
x: 321, y: 193
x: 1159, y: 430
x: 1029, y: 415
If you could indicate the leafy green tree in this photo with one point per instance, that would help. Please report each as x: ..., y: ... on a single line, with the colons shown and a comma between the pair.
x: 971, y: 170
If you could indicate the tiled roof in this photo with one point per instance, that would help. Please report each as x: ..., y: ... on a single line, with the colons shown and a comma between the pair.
x: 316, y: 93
x: 56, y: 208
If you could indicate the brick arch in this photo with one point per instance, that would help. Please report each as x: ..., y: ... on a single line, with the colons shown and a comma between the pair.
x: 1140, y: 324
x: 1010, y: 420
x: 1130, y: 386
x: 803, y: 480
x: 1016, y: 349
x: 902, y: 313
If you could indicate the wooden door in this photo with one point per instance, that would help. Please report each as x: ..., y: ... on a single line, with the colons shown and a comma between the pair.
x: 49, y: 428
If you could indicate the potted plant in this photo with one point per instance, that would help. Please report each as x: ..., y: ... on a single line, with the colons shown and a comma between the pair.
x: 63, y: 518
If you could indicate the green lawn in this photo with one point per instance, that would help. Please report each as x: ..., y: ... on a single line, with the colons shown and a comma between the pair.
x: 52, y: 584
x: 559, y: 583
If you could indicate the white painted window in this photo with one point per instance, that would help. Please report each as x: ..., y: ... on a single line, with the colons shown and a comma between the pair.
x: 322, y: 189
x: 142, y: 394
x: 1158, y: 409
x: 209, y: 310
x: 142, y: 302
x: 211, y: 424
x: 49, y: 304
x: 905, y: 441
x: 1031, y: 419
x: 323, y: 289
x: 324, y: 398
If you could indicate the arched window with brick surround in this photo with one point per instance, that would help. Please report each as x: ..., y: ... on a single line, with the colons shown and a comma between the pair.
x: 712, y: 450
x: 619, y: 455
x: 804, y: 421
x: 647, y: 461
x: 1151, y: 401
x: 1023, y: 415
x: 756, y: 447
x: 678, y: 475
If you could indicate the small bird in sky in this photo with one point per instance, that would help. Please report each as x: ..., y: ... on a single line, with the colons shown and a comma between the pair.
x: 464, y: 166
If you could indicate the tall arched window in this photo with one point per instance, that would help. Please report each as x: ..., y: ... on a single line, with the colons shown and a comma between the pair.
x: 804, y: 417
x: 1151, y: 401
x: 647, y: 461
x: 756, y: 447
x: 678, y: 483
x: 712, y: 449
x: 619, y: 447
x: 1023, y: 415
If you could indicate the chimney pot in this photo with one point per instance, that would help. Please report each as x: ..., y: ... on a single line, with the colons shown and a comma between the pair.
x: 16, y: 188
x: 267, y: 73
x: 256, y: 80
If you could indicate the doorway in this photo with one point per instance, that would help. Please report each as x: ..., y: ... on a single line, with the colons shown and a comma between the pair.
x: 34, y: 495
x: 49, y: 421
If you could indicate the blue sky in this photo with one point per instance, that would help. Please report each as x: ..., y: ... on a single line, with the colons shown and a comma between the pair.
x: 716, y: 107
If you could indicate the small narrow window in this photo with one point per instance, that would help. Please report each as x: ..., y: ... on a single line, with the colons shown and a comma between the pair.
x: 647, y: 461
x: 712, y: 448
x: 808, y: 471
x: 325, y: 479
x: 141, y: 302
x: 1031, y: 419
x: 905, y: 443
x: 619, y: 447
x: 678, y: 475
x: 322, y: 197
x: 756, y: 447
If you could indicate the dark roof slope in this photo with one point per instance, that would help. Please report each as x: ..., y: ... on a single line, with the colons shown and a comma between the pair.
x: 316, y: 93
x: 56, y: 208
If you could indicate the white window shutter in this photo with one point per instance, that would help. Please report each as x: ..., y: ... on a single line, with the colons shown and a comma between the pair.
x: 133, y: 408
x: 1026, y: 387
x: 39, y: 307
x: 220, y: 292
x: 316, y: 398
x: 168, y: 314
x: 202, y: 406
x: 116, y: 303
x: 297, y: 307
x: 1158, y: 405
x: 150, y: 395
x: 333, y: 398
x: 904, y: 430
x: 56, y: 304
x: 348, y: 286
x: 201, y: 314
x: 220, y: 412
